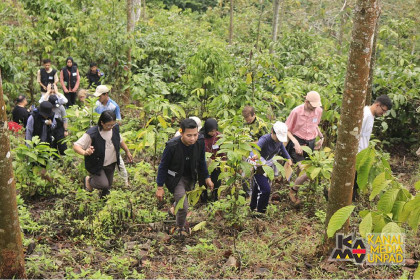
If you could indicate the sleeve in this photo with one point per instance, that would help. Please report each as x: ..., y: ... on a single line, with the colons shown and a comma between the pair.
x: 42, y: 98
x: 291, y: 120
x: 84, y: 141
x: 77, y: 81
x: 260, y: 143
x: 283, y: 152
x: 163, y: 167
x: 62, y: 99
x: 63, y: 114
x: 25, y: 118
x: 38, y: 76
x: 62, y: 81
x: 202, y: 165
x: 55, y: 78
x: 29, y: 128
x: 117, y: 112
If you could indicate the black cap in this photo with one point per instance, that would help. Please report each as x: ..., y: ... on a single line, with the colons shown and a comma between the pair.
x: 53, y: 99
x: 45, y: 109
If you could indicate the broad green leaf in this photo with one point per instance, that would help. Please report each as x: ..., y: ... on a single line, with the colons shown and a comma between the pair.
x: 248, y: 78
x: 315, y: 172
x: 417, y: 185
x: 363, y: 169
x: 414, y: 220
x: 417, y: 273
x: 366, y: 225
x: 199, y: 226
x: 180, y: 204
x: 269, y: 172
x: 408, y: 208
x: 378, y: 184
x: 338, y: 219
x: 363, y: 213
x: 162, y: 121
x: 397, y: 209
x: 391, y: 228
x: 307, y: 150
x: 221, y: 188
x: 386, y: 202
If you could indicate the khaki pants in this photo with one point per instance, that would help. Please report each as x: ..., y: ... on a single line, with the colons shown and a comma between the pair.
x: 183, y: 186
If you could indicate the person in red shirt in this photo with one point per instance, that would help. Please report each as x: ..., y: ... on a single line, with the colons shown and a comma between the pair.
x: 303, y: 129
x: 211, y: 133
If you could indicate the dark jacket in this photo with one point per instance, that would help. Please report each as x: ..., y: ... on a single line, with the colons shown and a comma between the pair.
x: 47, y: 78
x: 94, y: 78
x: 70, y: 79
x: 172, y: 166
x: 94, y: 163
x: 39, y: 123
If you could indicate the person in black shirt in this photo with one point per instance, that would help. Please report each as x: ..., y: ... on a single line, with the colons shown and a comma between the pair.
x: 20, y: 113
x: 183, y: 162
x: 94, y: 75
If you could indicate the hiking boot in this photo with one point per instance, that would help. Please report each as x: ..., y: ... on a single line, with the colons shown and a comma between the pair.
x: 86, y: 184
x: 293, y: 197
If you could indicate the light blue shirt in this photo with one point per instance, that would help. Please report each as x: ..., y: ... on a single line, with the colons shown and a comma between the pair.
x: 111, y: 105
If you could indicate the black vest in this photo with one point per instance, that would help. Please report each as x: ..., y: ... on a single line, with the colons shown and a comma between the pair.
x: 95, y: 161
x: 47, y: 78
x: 176, y: 166
x: 72, y: 79
x: 39, y: 123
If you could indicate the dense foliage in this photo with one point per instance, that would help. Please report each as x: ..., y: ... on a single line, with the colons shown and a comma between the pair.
x: 182, y: 65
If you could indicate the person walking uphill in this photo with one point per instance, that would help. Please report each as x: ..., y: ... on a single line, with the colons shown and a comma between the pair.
x: 183, y: 161
x: 101, y: 147
x: 381, y: 105
x: 271, y: 145
x: 211, y: 133
x: 303, y: 128
x: 69, y: 80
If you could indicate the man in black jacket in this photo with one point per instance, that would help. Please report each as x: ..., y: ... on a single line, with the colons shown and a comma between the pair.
x: 94, y: 75
x: 183, y: 161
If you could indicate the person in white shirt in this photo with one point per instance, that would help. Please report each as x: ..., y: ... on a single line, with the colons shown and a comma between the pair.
x: 381, y: 105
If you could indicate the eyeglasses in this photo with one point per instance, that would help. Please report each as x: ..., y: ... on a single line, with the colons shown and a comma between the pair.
x: 383, y: 110
x: 109, y: 126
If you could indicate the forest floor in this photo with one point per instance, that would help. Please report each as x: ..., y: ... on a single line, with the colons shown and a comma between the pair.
x: 284, y: 243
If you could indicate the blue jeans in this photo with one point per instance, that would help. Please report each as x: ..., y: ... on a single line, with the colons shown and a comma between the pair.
x: 260, y: 193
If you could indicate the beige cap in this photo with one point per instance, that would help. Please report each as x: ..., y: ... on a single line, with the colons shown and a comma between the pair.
x: 314, y: 98
x: 280, y: 129
x: 101, y: 90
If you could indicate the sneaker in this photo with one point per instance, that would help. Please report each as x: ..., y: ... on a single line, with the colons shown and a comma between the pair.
x: 86, y: 184
x: 293, y: 197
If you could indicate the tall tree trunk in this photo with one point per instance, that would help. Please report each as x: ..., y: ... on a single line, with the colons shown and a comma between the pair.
x: 12, y: 263
x: 137, y: 10
x: 372, y: 66
x: 130, y: 29
x: 365, y: 16
x: 341, y: 31
x: 231, y: 23
x: 143, y: 14
x: 276, y: 9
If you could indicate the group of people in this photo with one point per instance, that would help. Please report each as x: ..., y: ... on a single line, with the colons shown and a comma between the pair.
x: 48, y: 122
x: 183, y: 162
